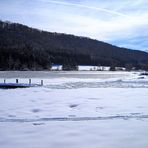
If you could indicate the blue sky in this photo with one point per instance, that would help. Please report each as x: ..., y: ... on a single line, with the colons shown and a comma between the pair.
x: 120, y: 22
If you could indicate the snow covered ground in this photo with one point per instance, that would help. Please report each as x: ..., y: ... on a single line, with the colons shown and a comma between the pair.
x: 75, y: 110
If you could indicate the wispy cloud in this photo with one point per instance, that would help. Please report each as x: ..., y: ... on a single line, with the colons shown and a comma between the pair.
x: 85, y: 6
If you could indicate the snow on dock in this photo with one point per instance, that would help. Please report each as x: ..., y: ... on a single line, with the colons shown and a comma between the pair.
x: 19, y: 85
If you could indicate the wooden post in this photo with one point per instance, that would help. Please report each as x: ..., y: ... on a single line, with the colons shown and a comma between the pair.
x: 4, y: 80
x: 41, y: 82
x: 29, y: 81
x: 16, y: 80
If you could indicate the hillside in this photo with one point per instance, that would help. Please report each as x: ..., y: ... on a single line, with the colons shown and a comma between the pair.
x: 25, y: 48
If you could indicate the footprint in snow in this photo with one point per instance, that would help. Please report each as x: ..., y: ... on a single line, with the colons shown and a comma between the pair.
x: 36, y: 110
x: 73, y: 105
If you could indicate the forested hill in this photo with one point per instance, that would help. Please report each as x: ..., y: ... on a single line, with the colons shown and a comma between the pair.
x: 23, y: 48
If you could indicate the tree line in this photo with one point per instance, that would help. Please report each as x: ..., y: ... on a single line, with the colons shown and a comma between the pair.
x: 25, y: 48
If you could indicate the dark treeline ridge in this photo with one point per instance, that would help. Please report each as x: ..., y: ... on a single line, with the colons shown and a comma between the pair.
x: 25, y: 48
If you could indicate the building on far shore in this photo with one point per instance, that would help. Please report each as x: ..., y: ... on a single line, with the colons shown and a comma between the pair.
x: 56, y: 67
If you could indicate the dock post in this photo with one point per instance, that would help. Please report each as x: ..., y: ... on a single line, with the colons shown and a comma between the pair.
x: 16, y: 80
x: 41, y: 82
x: 4, y: 80
x: 29, y: 81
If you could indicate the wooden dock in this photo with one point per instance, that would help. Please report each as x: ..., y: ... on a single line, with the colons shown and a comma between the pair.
x: 6, y: 85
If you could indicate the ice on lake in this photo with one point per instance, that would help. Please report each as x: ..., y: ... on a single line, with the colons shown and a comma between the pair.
x: 75, y: 110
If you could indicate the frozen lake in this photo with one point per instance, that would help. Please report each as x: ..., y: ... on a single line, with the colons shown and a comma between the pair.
x: 75, y: 110
x: 61, y: 74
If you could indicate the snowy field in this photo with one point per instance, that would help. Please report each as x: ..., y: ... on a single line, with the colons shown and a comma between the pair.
x: 75, y: 110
